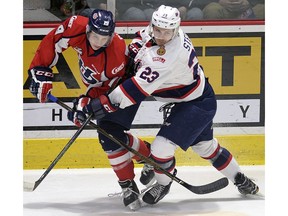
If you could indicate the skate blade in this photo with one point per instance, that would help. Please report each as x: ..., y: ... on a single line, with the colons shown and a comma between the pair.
x: 135, y: 205
x: 254, y: 196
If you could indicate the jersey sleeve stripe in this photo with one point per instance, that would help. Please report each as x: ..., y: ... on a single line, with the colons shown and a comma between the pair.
x: 127, y: 95
x: 139, y: 87
x: 133, y: 91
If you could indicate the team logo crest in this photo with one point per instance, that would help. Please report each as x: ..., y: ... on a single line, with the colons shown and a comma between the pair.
x: 95, y: 15
x: 161, y: 50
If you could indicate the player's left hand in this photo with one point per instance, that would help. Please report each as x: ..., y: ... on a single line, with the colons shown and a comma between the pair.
x: 100, y: 107
x: 77, y: 116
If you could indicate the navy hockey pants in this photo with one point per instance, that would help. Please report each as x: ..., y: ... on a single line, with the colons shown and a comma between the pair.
x: 191, y: 122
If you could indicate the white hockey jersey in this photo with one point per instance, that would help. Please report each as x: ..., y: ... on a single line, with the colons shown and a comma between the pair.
x: 170, y: 73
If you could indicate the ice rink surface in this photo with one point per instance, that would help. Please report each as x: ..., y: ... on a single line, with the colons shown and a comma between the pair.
x: 87, y: 192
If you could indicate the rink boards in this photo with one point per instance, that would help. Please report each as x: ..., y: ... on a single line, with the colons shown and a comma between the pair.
x: 87, y: 152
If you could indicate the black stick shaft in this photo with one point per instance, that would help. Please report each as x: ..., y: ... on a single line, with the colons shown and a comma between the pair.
x: 60, y: 155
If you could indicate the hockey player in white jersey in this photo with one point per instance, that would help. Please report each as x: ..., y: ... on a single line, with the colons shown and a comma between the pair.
x: 168, y: 69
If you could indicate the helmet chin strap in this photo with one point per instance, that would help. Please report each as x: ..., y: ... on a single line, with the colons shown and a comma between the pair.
x: 109, y: 41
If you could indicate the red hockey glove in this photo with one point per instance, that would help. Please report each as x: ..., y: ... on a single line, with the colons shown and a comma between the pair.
x: 41, y: 82
x: 77, y: 116
x: 100, y: 107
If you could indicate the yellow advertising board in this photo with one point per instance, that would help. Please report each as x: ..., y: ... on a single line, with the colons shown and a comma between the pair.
x: 233, y: 65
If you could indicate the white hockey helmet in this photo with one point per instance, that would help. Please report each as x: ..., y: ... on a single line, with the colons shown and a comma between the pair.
x: 166, y: 17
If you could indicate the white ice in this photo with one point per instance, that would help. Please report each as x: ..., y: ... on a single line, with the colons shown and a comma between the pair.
x: 84, y: 192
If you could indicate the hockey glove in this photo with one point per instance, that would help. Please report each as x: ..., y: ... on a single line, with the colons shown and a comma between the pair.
x: 133, y: 49
x: 41, y: 82
x: 100, y: 107
x: 77, y: 116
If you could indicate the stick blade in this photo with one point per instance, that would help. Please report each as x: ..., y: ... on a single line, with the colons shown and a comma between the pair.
x: 209, y: 188
x: 28, y: 186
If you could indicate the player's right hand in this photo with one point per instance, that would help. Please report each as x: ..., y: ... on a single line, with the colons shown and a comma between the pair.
x: 77, y: 116
x: 41, y: 82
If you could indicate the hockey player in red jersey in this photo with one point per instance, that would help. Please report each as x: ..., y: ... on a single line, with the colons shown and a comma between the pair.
x: 102, y: 63
x: 101, y: 53
x: 168, y: 69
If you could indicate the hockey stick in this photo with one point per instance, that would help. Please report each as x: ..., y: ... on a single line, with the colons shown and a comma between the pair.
x: 31, y: 186
x: 203, y: 189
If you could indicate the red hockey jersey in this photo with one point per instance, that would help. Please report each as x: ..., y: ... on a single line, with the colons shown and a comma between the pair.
x: 98, y: 69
